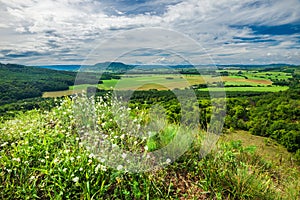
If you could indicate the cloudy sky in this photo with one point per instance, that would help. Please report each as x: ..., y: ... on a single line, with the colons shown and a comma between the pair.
x: 44, y: 32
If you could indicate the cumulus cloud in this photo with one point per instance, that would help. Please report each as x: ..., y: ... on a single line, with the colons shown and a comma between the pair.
x: 231, y: 31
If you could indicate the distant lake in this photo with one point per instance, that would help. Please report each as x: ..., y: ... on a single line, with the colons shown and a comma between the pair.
x: 62, y: 67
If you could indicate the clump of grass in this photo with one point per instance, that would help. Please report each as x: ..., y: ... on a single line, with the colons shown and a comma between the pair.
x: 43, y: 156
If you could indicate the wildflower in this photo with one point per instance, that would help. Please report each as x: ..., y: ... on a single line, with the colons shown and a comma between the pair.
x: 80, y: 169
x: 75, y: 179
x: 32, y: 178
x: 55, y: 160
x: 97, y: 168
x: 103, y: 168
x: 4, y: 144
x: 124, y: 155
x: 72, y: 158
x: 146, y: 148
x: 168, y: 161
x: 78, y: 157
x: 91, y: 155
x: 67, y: 150
x: 122, y: 136
x: 46, y: 157
x: 16, y: 159
x: 120, y: 167
x: 90, y: 161
x: 65, y: 169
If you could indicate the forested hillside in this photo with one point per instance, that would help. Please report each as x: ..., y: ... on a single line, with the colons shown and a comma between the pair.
x: 21, y: 82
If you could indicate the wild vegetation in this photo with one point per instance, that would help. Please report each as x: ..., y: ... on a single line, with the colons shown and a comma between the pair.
x: 43, y: 156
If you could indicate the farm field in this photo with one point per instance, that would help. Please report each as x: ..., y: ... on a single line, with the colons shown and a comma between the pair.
x: 249, y: 89
x: 170, y: 81
x: 258, y: 83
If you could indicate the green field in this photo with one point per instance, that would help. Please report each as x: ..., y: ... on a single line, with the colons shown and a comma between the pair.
x: 164, y: 81
x: 252, y: 89
x: 241, y: 80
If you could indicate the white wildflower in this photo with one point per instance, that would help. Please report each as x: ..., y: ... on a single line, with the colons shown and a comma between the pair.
x: 4, y: 144
x: 75, y: 179
x: 103, y: 168
x: 120, y: 167
x: 16, y: 159
x: 124, y: 155
x: 146, y: 148
x: 168, y: 161
x: 91, y: 155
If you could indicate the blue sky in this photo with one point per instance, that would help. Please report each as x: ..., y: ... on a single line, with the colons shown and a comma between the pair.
x: 90, y: 31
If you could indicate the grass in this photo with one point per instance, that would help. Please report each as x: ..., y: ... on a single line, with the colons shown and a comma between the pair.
x: 43, y: 155
x: 266, y: 147
x: 60, y: 93
x: 250, y: 89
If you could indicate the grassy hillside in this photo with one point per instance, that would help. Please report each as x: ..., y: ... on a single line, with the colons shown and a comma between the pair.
x: 43, y: 156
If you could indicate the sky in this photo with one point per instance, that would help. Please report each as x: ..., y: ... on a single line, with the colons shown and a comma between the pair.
x: 49, y: 32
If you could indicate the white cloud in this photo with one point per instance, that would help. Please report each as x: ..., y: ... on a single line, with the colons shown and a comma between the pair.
x: 68, y: 29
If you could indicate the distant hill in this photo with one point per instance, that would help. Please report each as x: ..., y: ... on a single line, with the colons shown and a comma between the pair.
x: 110, y: 66
x: 241, y: 66
x: 119, y: 67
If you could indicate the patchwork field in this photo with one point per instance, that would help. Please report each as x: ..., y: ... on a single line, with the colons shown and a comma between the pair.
x: 237, y: 80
